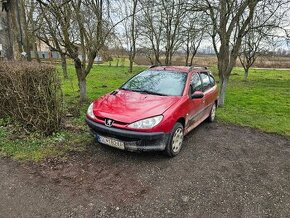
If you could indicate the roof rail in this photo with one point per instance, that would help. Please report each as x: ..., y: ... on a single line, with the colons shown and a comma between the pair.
x: 198, y: 67
x: 155, y: 65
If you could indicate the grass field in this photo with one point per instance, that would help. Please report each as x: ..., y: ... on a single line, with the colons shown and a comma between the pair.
x: 262, y: 102
x: 211, y: 60
x: 102, y: 79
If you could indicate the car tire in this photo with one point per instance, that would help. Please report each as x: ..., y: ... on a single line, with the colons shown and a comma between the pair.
x: 212, y: 115
x: 175, y: 141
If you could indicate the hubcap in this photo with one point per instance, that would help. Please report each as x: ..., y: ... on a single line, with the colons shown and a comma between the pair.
x: 213, y: 111
x: 177, y: 140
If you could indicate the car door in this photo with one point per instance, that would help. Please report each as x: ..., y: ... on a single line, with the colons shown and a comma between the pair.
x: 195, y: 105
x: 208, y: 90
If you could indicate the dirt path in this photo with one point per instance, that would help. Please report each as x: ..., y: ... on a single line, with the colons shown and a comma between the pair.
x: 223, y: 171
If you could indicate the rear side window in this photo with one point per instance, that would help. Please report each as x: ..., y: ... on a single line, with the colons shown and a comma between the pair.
x: 196, y: 83
x: 212, y: 80
x: 205, y: 81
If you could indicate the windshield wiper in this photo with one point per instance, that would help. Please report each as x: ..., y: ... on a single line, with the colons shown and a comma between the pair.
x: 144, y: 91
x: 148, y: 92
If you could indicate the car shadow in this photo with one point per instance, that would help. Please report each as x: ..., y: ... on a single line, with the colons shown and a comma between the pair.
x: 98, y: 149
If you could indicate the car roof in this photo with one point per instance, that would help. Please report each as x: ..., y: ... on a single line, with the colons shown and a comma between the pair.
x: 184, y: 69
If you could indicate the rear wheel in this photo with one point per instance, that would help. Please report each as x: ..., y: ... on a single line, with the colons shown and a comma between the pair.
x: 212, y: 114
x: 175, y: 143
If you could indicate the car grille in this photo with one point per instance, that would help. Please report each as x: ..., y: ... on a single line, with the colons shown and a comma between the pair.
x: 115, y: 124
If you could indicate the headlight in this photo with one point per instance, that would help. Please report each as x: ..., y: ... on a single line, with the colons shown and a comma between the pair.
x: 146, y: 123
x: 90, y: 112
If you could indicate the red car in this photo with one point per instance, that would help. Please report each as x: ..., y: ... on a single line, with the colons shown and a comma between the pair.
x: 154, y: 109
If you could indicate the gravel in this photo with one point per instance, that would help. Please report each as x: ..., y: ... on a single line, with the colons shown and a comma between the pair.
x: 222, y: 171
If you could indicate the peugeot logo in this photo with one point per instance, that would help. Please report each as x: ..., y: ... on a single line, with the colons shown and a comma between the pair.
x: 109, y: 122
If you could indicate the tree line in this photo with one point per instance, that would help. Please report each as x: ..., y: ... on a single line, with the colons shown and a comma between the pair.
x: 83, y: 29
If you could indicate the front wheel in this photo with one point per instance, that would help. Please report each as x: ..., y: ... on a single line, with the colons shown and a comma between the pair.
x: 176, y: 138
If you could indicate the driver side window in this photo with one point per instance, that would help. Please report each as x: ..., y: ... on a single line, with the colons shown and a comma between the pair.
x: 196, y: 84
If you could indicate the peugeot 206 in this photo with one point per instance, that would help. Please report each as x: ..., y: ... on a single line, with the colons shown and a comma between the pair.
x: 155, y: 109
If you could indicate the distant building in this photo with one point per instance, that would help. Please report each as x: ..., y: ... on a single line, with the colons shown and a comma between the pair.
x: 44, y: 51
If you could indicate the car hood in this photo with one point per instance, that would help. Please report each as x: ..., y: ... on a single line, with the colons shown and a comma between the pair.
x: 127, y: 107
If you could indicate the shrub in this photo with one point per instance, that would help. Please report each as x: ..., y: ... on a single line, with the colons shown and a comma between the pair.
x: 30, y: 94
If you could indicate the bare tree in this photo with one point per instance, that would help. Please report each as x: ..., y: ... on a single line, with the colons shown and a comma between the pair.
x: 230, y: 21
x: 262, y: 31
x: 13, y: 32
x: 69, y: 30
x: 133, y: 35
x: 27, y: 19
x: 193, y: 32
x: 152, y: 27
x: 48, y: 32
x: 174, y: 14
x: 128, y: 36
x: 161, y: 26
x: 249, y: 51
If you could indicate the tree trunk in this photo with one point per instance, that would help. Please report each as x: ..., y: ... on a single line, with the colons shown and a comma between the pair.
x: 246, y: 74
x: 13, y: 33
x: 26, y: 36
x: 33, y: 37
x: 131, y: 58
x: 187, y: 52
x: 186, y: 58
x: 133, y: 37
x: 167, y: 59
x: 157, y: 58
x: 83, y: 89
x: 64, y: 66
x: 9, y: 38
x: 16, y: 29
x: 192, y: 57
x: 82, y: 83
x: 222, y: 95
x: 170, y: 58
x: 131, y: 65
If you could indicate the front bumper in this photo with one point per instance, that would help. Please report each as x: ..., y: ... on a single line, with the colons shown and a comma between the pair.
x: 133, y: 140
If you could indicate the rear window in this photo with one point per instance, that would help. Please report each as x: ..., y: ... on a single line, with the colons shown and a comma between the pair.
x: 160, y: 82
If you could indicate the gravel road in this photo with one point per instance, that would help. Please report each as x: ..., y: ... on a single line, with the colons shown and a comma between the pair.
x: 222, y: 171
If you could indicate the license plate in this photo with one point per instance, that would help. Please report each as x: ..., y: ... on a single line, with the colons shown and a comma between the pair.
x: 111, y: 142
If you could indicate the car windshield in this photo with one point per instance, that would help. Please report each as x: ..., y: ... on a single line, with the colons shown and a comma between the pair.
x: 157, y: 82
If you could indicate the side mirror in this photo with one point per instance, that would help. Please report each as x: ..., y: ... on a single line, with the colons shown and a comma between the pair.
x: 197, y: 94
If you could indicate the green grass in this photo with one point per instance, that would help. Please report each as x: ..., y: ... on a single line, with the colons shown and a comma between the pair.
x: 102, y: 79
x: 262, y: 102
x: 35, y: 147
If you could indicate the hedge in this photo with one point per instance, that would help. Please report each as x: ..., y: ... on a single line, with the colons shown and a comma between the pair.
x: 30, y: 94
